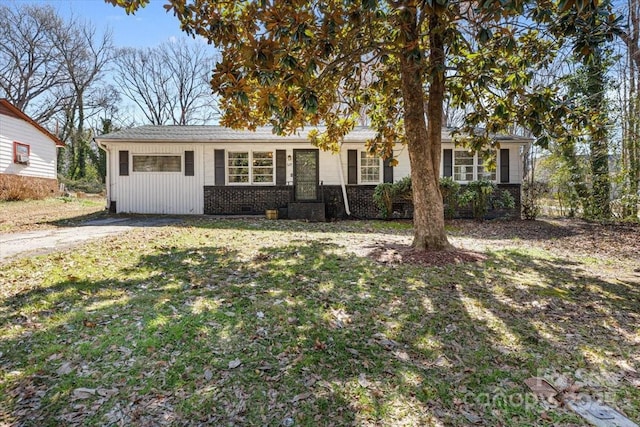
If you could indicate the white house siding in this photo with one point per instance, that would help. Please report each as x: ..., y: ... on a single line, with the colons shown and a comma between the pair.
x: 329, y: 173
x: 42, y: 160
x: 156, y: 192
x: 516, y: 163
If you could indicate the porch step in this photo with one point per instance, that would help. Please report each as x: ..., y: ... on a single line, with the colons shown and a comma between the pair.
x: 311, y: 211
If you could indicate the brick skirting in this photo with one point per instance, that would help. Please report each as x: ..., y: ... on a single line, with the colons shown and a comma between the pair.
x: 255, y: 200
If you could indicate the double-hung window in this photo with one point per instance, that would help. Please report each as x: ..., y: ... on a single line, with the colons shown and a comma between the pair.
x: 250, y: 167
x: 463, y: 165
x: 470, y: 166
x: 488, y: 174
x: 369, y: 168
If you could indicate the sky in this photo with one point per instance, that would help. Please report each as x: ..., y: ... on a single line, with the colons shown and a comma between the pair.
x: 150, y: 25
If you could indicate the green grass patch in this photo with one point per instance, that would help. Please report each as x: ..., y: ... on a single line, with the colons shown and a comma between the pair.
x: 256, y: 322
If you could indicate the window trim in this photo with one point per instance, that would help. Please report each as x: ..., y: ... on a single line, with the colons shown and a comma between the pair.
x: 476, y: 165
x: 17, y: 144
x: 380, y: 169
x: 133, y: 155
x: 250, y: 166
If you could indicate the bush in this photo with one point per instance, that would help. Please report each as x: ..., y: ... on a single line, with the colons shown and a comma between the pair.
x: 386, y: 193
x: 15, y: 187
x: 479, y: 194
x: 450, y: 196
x: 531, y: 194
x: 90, y: 185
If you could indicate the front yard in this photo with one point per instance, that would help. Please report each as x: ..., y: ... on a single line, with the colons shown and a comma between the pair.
x: 47, y: 213
x: 256, y: 322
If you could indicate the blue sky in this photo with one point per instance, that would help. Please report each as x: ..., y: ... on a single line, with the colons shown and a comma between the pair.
x: 148, y: 27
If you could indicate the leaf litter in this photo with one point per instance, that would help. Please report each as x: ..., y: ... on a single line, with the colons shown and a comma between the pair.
x: 323, y: 335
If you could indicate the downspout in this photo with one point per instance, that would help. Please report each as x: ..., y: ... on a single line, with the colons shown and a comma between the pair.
x: 342, y: 184
x: 107, y: 183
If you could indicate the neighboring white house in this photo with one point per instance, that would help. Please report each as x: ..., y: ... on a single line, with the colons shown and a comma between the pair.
x: 27, y: 150
x: 215, y: 170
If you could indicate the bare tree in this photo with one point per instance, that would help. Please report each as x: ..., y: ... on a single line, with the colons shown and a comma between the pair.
x: 30, y: 67
x: 85, y: 55
x: 169, y: 83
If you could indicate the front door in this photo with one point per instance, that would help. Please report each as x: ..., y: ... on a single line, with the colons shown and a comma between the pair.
x: 305, y: 174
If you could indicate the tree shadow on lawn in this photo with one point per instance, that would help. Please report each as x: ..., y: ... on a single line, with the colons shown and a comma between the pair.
x: 322, y: 337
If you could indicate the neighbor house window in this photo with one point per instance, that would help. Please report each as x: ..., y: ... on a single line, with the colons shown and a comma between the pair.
x: 157, y: 163
x: 21, y: 153
x: 463, y: 164
x: 470, y: 166
x: 369, y: 168
x: 247, y: 167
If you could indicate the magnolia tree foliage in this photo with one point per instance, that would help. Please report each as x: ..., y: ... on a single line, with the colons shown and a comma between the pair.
x: 292, y: 63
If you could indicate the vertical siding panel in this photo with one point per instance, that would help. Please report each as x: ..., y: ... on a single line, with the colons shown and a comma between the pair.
x: 167, y: 193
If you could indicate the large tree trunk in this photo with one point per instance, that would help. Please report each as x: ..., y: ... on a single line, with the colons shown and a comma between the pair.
x: 424, y: 144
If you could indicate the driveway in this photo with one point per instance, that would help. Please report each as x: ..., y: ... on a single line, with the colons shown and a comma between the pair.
x: 18, y: 245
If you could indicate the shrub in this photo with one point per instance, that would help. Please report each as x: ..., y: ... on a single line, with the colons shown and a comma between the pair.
x: 479, y: 194
x: 91, y: 185
x: 15, y: 187
x: 450, y: 196
x: 386, y: 193
x: 531, y: 194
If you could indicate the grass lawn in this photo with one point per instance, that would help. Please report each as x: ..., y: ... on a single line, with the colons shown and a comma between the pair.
x: 255, y: 322
x: 55, y: 211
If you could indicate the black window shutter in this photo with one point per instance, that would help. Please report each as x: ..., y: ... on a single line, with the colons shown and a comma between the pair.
x: 504, y: 165
x: 447, y: 160
x: 281, y: 167
x: 388, y: 171
x: 124, y: 162
x: 219, y: 167
x: 189, y: 165
x: 352, y: 166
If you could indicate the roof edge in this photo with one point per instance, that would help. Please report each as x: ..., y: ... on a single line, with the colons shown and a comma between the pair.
x: 20, y: 114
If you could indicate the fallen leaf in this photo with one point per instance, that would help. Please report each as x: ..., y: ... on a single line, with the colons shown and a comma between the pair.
x: 208, y: 374
x: 471, y: 417
x: 107, y: 392
x: 235, y: 363
x: 362, y: 380
x: 83, y: 393
x: 64, y: 369
x: 301, y: 396
x: 89, y: 324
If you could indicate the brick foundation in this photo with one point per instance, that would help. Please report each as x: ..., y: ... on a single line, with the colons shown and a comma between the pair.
x: 17, y: 187
x: 255, y: 200
x: 249, y: 200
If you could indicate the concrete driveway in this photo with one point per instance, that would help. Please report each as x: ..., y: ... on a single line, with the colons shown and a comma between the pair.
x: 18, y: 245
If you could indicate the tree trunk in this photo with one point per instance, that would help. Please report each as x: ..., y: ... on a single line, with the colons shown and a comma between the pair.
x: 424, y: 144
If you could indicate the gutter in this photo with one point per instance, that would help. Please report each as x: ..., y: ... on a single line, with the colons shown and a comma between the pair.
x: 342, y: 184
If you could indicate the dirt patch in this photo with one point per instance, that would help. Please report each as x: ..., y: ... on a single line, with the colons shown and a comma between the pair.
x: 394, y: 254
